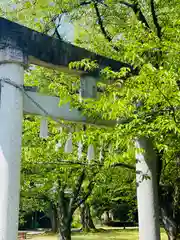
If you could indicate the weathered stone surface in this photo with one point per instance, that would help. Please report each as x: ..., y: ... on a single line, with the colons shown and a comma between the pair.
x: 47, y: 51
x: 50, y: 105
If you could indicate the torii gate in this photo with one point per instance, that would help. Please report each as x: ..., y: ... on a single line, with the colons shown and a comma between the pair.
x: 20, y: 46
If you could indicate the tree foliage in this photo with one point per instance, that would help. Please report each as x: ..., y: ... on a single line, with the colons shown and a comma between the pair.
x: 143, y: 34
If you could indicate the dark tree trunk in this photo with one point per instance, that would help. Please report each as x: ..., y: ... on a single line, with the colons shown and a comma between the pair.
x: 68, y: 204
x: 169, y: 224
x: 169, y: 216
x: 54, y: 220
x: 53, y: 215
x: 86, y: 218
x: 65, y: 227
x: 65, y: 230
x: 65, y: 214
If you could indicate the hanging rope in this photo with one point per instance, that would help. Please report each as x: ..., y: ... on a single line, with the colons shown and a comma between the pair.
x: 69, y: 146
x: 80, y: 149
x: 91, y: 153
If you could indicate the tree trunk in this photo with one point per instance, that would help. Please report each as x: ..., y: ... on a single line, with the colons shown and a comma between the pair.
x: 53, y: 215
x: 54, y: 220
x: 86, y: 218
x: 65, y: 232
x: 169, y: 215
x: 169, y: 223
x: 65, y: 221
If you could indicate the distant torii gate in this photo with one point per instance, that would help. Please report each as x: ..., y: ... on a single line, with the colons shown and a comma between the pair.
x: 20, y: 46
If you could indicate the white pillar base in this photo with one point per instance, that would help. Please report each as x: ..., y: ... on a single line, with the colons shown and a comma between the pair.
x: 11, y: 116
x: 147, y: 192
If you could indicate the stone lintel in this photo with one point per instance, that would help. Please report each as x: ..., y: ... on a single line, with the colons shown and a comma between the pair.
x: 10, y: 54
x: 51, y: 105
x: 49, y: 52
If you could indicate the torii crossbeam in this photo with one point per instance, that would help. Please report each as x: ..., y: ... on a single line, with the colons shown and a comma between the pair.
x: 47, y: 51
x: 20, y: 46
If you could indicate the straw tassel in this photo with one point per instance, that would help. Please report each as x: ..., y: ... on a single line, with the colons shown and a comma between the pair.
x: 80, y: 148
x: 68, y: 146
x: 44, y: 128
x: 90, y: 154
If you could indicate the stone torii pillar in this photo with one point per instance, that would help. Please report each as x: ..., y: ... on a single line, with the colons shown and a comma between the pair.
x: 16, y: 44
x: 147, y: 192
x: 12, y: 63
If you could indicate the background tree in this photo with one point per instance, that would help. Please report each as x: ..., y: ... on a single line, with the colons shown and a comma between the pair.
x: 59, y: 179
x: 115, y: 192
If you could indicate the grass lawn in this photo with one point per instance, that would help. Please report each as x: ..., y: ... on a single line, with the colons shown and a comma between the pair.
x: 108, y: 234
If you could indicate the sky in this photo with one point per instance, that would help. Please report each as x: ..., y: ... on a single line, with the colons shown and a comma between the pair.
x: 66, y: 30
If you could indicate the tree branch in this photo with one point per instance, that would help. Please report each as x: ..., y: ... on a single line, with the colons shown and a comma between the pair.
x: 170, y: 104
x: 100, y: 22
x: 85, y: 3
x: 89, y: 2
x: 79, y: 184
x: 87, y: 194
x: 90, y: 188
x: 61, y: 201
x: 57, y: 33
x: 138, y: 11
x: 159, y: 164
x: 67, y: 162
x: 124, y: 165
x: 155, y: 19
x: 76, y: 192
x: 103, y: 30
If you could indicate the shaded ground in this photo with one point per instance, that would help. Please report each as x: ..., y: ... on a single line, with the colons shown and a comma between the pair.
x: 105, y: 235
